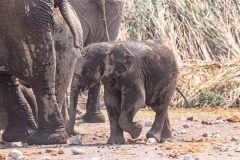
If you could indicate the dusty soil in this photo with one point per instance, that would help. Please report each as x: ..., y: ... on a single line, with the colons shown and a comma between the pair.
x: 189, y: 142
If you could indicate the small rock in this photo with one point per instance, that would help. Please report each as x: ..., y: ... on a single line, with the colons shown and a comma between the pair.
x: 46, y: 158
x: 217, y: 134
x: 237, y: 149
x: 234, y: 119
x: 21, y: 158
x: 186, y: 157
x: 16, y: 144
x: 207, y: 122
x: 183, y: 131
x: 16, y: 154
x: 77, y: 151
x: 205, y: 135
x: 219, y: 117
x: 189, y: 118
x: 76, y: 140
x: 186, y: 125
x: 148, y: 124
x: 235, y: 139
x: 151, y: 141
x: 220, y: 121
x: 161, y: 153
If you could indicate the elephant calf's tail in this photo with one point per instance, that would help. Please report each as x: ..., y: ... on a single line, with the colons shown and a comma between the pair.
x: 186, y: 101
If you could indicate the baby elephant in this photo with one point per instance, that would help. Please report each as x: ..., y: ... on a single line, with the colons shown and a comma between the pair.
x: 134, y: 74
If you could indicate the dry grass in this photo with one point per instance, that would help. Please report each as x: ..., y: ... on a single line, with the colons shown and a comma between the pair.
x: 205, y: 37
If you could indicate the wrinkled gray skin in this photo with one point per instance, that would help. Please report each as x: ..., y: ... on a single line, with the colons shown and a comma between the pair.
x: 28, y: 52
x: 16, y: 115
x: 93, y: 27
x: 133, y: 74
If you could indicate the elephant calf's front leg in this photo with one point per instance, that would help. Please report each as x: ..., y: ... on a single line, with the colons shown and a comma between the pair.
x: 113, y: 104
x: 132, y: 101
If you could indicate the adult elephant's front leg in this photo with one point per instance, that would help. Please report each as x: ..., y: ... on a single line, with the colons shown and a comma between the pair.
x: 93, y: 113
x: 50, y: 123
x: 21, y: 122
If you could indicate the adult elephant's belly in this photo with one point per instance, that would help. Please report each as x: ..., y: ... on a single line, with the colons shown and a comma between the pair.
x: 3, y: 118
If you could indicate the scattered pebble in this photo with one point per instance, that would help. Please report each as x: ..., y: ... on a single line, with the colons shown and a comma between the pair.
x: 235, y: 139
x: 186, y: 157
x: 205, y: 134
x: 161, y: 153
x: 77, y: 151
x: 151, y: 141
x: 187, y: 125
x: 46, y: 158
x: 148, y: 124
x: 189, y: 118
x: 21, y: 158
x: 234, y: 119
x: 237, y: 149
x: 220, y: 121
x: 76, y: 140
x: 16, y: 154
x: 217, y: 134
x: 183, y: 131
x: 207, y: 122
x: 16, y: 144
x: 219, y: 117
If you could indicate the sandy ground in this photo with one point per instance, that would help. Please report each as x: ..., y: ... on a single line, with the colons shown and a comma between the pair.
x: 221, y: 143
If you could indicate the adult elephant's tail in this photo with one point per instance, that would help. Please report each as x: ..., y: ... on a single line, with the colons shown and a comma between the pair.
x: 102, y: 7
x: 72, y: 20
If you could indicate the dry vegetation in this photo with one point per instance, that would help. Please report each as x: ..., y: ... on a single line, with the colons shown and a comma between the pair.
x: 204, y: 35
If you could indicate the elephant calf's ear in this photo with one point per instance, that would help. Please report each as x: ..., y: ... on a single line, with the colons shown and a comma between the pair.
x: 121, y: 58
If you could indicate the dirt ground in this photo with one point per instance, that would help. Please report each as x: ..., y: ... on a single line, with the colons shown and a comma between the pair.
x: 208, y: 134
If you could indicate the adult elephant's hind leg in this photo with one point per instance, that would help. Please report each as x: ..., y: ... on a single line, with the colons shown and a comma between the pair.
x: 93, y: 113
x: 50, y: 123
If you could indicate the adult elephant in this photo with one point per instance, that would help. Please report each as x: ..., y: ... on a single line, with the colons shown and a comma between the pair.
x: 100, y: 21
x: 27, y: 33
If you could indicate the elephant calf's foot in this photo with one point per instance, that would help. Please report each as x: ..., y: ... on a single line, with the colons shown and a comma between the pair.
x: 116, y: 139
x: 45, y: 138
x: 166, y: 136
x: 136, y: 130
x: 94, y: 117
x: 17, y: 134
x: 156, y: 135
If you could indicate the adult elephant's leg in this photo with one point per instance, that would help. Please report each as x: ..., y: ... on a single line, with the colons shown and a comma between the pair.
x: 21, y: 122
x: 31, y: 99
x: 50, y: 123
x: 93, y: 112
x: 75, y: 91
